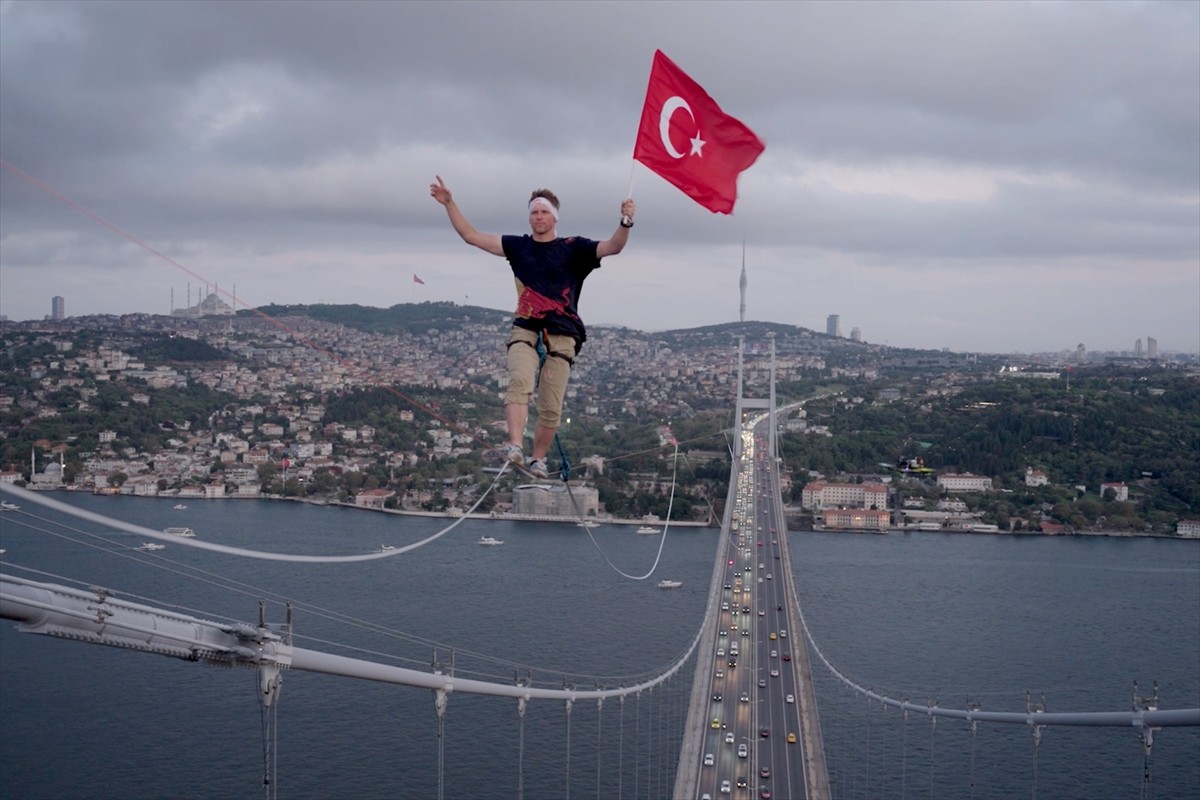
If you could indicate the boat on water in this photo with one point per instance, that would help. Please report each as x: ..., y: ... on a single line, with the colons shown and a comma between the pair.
x: 490, y: 541
x: 647, y: 530
x: 179, y: 507
x: 670, y: 584
x: 386, y: 548
x: 7, y: 506
x: 587, y: 523
x: 148, y: 547
x: 186, y: 533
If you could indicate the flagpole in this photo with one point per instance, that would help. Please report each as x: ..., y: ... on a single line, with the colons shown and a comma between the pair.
x: 629, y: 194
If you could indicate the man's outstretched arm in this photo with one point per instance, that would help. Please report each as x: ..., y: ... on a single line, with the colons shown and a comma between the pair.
x: 484, y: 241
x: 616, y: 243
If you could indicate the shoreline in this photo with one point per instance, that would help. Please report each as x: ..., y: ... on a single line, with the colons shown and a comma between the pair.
x: 620, y: 520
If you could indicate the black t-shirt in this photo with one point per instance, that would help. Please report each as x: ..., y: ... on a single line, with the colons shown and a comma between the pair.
x: 549, y: 277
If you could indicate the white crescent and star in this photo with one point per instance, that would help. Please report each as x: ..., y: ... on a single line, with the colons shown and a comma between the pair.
x: 672, y: 105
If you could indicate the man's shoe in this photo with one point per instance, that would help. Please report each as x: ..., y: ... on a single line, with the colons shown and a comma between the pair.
x: 513, y: 453
x: 537, y: 468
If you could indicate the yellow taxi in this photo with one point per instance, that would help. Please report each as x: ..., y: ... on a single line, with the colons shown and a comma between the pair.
x: 791, y: 738
x: 773, y: 636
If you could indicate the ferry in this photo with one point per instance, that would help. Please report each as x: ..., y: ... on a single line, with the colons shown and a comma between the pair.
x: 670, y: 584
x: 148, y: 547
x: 647, y: 530
x: 490, y: 541
x: 186, y: 533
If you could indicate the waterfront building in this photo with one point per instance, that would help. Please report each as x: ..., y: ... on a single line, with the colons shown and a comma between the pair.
x: 373, y: 498
x: 855, y: 519
x: 554, y: 500
x: 820, y: 494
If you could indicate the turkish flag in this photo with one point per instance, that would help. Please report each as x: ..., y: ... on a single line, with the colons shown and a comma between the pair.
x: 686, y: 138
x: 418, y: 280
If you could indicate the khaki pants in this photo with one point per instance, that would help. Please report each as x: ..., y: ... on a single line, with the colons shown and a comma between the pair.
x: 522, y: 372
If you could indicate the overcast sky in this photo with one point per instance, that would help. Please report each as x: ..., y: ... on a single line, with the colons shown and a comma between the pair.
x: 981, y: 176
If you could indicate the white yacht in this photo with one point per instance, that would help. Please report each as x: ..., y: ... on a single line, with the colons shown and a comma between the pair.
x: 490, y: 541
x: 648, y: 530
x: 148, y: 547
x: 186, y: 533
x: 7, y: 506
x: 670, y: 584
x: 386, y: 548
x: 179, y: 507
x: 587, y: 523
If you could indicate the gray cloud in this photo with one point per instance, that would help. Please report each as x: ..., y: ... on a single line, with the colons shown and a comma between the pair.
x: 1001, y: 142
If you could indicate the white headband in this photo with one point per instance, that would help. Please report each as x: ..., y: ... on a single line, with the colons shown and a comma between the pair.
x: 546, y: 204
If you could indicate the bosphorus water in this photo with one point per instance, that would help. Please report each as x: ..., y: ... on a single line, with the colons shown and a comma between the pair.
x: 979, y: 616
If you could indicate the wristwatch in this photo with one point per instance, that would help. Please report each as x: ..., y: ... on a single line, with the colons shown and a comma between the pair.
x: 626, y: 222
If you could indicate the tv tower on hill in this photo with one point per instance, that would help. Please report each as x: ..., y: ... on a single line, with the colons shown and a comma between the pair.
x: 742, y: 285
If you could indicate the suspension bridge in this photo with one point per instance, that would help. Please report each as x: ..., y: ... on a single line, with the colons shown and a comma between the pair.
x: 734, y: 714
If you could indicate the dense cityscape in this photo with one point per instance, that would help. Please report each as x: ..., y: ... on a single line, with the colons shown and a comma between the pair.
x: 399, y: 409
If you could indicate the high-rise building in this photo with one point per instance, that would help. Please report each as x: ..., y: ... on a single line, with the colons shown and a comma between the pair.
x: 855, y: 334
x: 1137, y: 348
x: 58, y: 307
x: 833, y: 325
x: 1151, y: 347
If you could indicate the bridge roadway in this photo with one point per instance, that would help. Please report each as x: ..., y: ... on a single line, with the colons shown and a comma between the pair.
x: 752, y: 727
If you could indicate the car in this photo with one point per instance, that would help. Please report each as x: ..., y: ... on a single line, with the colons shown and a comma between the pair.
x: 732, y: 662
x: 774, y: 673
x: 709, y: 760
x: 716, y: 723
x: 773, y: 636
x: 774, y: 654
x: 741, y: 782
x: 725, y: 787
x: 783, y: 634
x: 762, y: 684
x: 716, y: 697
x: 724, y: 606
x: 745, y: 631
x: 787, y: 656
x: 764, y: 792
x: 791, y: 738
x: 727, y: 586
x: 765, y: 772
x: 764, y: 732
x: 762, y: 613
x: 706, y: 796
x: 720, y: 673
x: 769, y: 576
x: 720, y: 652
x: 723, y: 633
x: 745, y: 697
x: 777, y: 608
x: 791, y: 698
x: 728, y: 737
x: 742, y: 751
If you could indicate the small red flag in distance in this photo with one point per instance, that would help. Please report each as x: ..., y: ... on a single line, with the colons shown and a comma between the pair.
x: 685, y: 137
x: 418, y: 280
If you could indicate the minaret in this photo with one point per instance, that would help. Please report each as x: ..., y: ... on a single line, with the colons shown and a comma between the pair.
x: 742, y: 285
